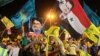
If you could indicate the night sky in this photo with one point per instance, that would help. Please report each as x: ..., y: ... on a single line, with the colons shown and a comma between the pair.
x: 11, y: 8
x: 42, y: 6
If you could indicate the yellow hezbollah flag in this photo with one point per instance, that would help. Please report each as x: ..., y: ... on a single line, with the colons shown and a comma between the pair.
x: 66, y: 33
x: 98, y: 28
x: 91, y: 32
x: 91, y: 36
x: 83, y: 53
x: 53, y: 31
x: 7, y: 22
x: 94, y: 29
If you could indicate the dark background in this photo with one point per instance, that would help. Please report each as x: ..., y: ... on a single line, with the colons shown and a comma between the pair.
x: 42, y: 6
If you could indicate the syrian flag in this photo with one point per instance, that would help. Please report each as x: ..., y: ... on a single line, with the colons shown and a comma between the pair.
x: 80, y: 13
x: 77, y: 19
x: 75, y: 23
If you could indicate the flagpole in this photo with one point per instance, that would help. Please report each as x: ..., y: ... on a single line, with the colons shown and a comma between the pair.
x: 50, y: 12
x: 61, y: 43
x: 47, y: 46
x: 22, y: 28
x: 29, y: 25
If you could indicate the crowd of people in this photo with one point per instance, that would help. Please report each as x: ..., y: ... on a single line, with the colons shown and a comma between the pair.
x: 37, y: 46
x: 34, y: 44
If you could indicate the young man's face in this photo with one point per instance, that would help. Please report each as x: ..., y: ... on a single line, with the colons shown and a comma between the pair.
x: 65, y: 7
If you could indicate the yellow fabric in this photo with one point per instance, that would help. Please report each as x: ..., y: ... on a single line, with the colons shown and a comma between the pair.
x: 94, y: 29
x: 72, y: 49
x: 53, y: 31
x: 5, y: 53
x: 91, y: 32
x: 0, y: 50
x: 98, y: 28
x: 92, y: 37
x: 83, y: 53
x: 66, y: 33
x: 7, y: 22
x: 47, y: 46
x: 37, y: 47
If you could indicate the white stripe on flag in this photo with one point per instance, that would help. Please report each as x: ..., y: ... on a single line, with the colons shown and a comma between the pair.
x: 75, y: 23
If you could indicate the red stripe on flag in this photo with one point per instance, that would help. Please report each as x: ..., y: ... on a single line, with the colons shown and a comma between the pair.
x: 79, y: 12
